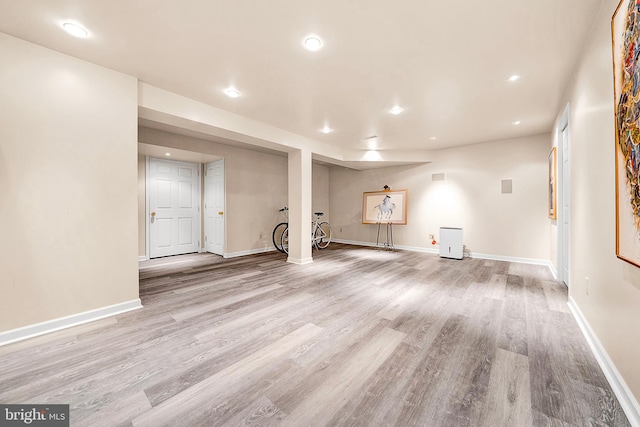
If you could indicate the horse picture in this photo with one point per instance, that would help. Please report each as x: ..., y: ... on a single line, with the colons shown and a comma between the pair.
x: 388, y: 206
x: 385, y: 209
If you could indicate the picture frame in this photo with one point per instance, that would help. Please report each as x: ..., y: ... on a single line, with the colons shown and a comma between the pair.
x: 384, y: 207
x: 553, y: 184
x: 625, y: 37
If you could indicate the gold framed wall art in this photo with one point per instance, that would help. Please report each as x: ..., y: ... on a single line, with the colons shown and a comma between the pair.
x: 385, y: 207
x: 625, y: 35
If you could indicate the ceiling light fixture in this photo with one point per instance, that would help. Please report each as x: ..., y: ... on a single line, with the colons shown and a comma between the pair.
x: 433, y: 138
x: 232, y: 92
x: 516, y: 123
x: 514, y: 78
x: 312, y: 43
x: 325, y: 129
x: 167, y: 154
x: 396, y: 110
x: 372, y: 142
x: 75, y: 30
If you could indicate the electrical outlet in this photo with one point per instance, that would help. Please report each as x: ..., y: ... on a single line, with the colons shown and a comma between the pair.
x: 431, y: 236
x: 587, y: 287
x: 341, y: 229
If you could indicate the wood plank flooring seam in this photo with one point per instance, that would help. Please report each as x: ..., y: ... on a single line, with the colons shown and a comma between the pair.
x: 360, y: 337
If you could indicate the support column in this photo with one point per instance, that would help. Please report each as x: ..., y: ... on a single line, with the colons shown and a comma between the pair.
x: 300, y: 185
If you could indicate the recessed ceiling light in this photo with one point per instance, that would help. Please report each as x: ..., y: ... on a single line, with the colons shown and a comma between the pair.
x: 167, y: 154
x: 232, y: 92
x: 75, y: 30
x: 396, y: 110
x: 514, y: 78
x: 516, y: 123
x: 312, y: 43
x: 433, y: 138
x: 325, y: 129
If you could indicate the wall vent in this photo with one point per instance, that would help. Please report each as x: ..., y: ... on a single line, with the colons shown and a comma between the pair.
x: 506, y: 186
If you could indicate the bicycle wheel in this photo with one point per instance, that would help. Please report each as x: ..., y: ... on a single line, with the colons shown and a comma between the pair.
x: 322, y: 236
x: 284, y: 241
x: 277, y: 235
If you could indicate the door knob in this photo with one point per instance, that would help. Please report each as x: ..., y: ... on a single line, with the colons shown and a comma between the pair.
x: 153, y: 217
x: 220, y: 213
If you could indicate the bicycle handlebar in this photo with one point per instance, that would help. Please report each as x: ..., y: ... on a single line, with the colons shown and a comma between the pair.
x: 318, y: 214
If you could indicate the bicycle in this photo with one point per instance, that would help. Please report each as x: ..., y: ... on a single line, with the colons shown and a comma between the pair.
x: 320, y: 235
x: 279, y: 229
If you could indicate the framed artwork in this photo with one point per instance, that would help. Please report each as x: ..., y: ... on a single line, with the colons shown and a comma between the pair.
x: 625, y: 32
x: 386, y: 207
x: 553, y: 182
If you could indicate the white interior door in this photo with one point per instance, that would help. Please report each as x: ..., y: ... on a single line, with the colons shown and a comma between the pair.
x: 174, y: 207
x: 214, y: 207
x: 565, y: 195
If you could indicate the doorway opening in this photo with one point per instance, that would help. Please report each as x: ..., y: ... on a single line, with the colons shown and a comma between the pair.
x: 177, y: 198
x: 173, y: 202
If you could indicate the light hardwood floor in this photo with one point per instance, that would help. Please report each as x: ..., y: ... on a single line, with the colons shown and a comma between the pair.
x: 360, y: 337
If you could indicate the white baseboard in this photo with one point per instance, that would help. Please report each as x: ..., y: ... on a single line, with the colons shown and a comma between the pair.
x: 373, y: 245
x: 302, y: 261
x: 249, y: 252
x: 31, y: 331
x: 475, y: 255
x: 521, y: 260
x: 142, y: 258
x: 627, y: 401
x: 352, y: 242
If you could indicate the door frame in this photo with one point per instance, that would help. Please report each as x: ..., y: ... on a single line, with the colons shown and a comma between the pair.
x: 564, y: 194
x: 205, y: 190
x: 147, y: 202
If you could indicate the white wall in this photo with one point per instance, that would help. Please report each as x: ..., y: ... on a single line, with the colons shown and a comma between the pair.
x: 255, y: 185
x: 320, y: 191
x: 68, y: 175
x: 611, y: 301
x: 508, y: 225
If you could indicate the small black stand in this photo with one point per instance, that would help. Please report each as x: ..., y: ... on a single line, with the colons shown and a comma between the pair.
x: 389, y: 243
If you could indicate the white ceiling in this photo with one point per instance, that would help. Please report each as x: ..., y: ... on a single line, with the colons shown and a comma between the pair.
x: 172, y: 153
x: 446, y: 63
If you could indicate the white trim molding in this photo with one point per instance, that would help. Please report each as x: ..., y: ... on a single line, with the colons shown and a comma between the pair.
x: 249, y: 252
x: 373, y: 245
x: 625, y: 397
x: 534, y: 261
x: 302, y: 261
x: 353, y: 242
x: 147, y: 202
x: 31, y: 331
x: 554, y: 272
x: 142, y: 258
